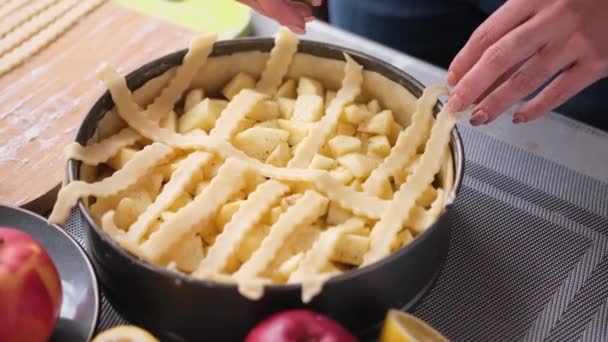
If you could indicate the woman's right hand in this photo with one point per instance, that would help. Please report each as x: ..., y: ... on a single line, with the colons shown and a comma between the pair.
x: 521, y: 47
x: 291, y: 14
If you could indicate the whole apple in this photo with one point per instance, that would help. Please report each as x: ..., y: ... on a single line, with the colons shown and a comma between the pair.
x: 30, y: 289
x: 299, y: 326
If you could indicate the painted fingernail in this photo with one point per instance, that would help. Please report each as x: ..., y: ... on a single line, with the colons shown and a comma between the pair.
x: 296, y: 29
x: 455, y: 103
x: 451, y: 78
x: 518, y: 118
x: 480, y: 117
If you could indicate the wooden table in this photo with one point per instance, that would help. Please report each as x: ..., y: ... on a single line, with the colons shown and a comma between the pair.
x: 43, y: 101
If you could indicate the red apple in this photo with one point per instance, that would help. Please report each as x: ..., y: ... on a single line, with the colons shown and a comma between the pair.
x: 299, y: 326
x: 30, y: 289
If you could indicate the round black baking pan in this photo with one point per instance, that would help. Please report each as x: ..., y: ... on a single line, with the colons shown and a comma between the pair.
x: 177, y: 307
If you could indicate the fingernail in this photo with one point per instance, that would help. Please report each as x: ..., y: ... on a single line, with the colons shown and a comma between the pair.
x: 296, y: 29
x: 309, y: 19
x: 451, y: 78
x: 480, y: 117
x: 518, y: 118
x: 455, y: 103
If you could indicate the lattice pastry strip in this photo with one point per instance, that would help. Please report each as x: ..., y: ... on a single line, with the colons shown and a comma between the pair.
x: 231, y: 178
x: 143, y: 96
x: 141, y: 163
x: 102, y: 151
x: 109, y: 226
x: 447, y: 174
x: 305, y: 211
x: 318, y: 256
x: 408, y: 140
x: 351, y: 88
x: 170, y: 192
x: 248, y: 214
x: 237, y: 109
x: 197, y: 55
x: 278, y: 63
x: 419, y: 219
x: 385, y: 231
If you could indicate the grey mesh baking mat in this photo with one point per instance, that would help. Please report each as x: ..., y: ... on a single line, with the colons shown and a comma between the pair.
x: 528, y: 258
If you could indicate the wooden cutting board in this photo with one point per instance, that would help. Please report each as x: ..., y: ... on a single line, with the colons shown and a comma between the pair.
x: 43, y: 101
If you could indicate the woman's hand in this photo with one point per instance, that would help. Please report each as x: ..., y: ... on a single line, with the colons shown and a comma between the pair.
x: 288, y: 13
x: 520, y: 47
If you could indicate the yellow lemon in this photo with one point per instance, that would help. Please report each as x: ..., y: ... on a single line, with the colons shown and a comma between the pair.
x: 402, y: 327
x: 125, y: 333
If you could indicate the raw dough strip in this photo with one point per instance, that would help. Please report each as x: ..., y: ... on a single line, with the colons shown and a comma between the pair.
x: 304, y: 212
x: 44, y: 37
x: 231, y: 179
x: 132, y: 172
x: 35, y: 25
x: 351, y: 87
x: 360, y: 203
x: 186, y: 169
x: 197, y: 55
x: 252, y: 288
x: 10, y: 6
x: 241, y: 223
x: 22, y: 15
x: 241, y: 105
x: 420, y: 219
x: 436, y: 208
x: 142, y: 96
x: 385, y: 231
x: 281, y: 56
x: 285, y: 47
x: 318, y: 256
x: 447, y: 172
x: 109, y: 226
x: 102, y: 151
x: 408, y: 140
x: 129, y: 111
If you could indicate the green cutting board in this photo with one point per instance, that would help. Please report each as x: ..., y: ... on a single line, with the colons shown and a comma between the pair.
x: 227, y: 18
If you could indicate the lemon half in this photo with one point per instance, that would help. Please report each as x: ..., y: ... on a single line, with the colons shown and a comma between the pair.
x: 125, y: 333
x: 400, y: 326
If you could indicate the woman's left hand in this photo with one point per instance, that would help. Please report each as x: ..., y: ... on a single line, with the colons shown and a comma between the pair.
x: 520, y: 47
x: 288, y: 13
